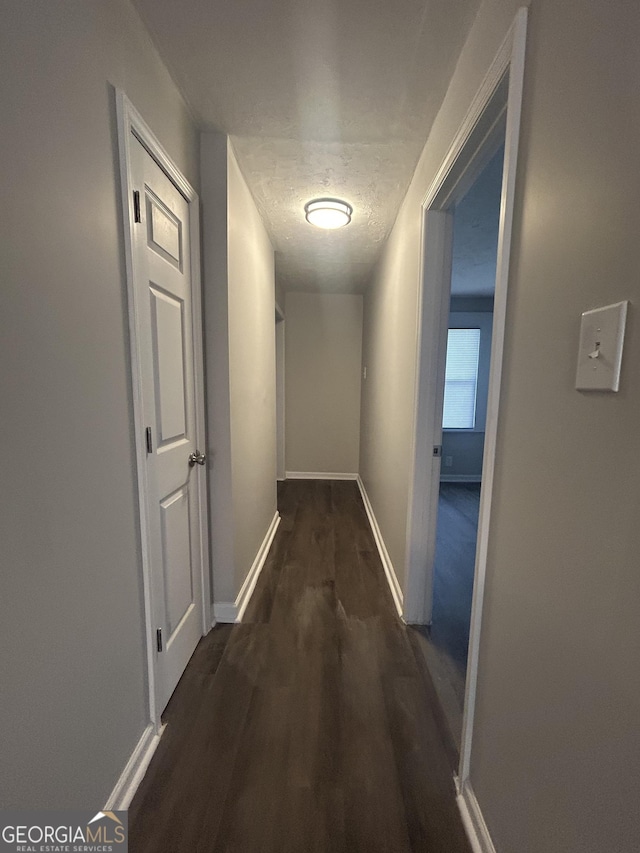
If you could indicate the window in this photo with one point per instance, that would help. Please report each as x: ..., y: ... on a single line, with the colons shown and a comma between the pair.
x: 461, y: 379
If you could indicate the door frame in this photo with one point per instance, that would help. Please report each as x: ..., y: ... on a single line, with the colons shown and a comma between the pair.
x: 130, y: 122
x: 495, y: 110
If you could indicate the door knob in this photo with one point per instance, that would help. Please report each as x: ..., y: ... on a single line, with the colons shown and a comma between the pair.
x: 197, y: 457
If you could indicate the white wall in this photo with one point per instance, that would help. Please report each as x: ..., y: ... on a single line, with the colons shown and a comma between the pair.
x: 555, y: 764
x: 215, y: 270
x: 389, y: 350
x: 240, y: 356
x: 72, y: 667
x: 252, y: 363
x: 323, y: 355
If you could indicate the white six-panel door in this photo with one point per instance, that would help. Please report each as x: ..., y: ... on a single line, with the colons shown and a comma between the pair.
x: 164, y: 329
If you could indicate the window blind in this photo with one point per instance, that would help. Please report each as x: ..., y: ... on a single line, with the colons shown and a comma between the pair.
x: 461, y: 379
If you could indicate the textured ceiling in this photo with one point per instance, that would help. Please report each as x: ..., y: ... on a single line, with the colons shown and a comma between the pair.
x: 323, y: 98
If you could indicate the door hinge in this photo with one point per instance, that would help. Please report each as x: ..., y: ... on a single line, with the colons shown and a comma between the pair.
x: 137, y: 216
x: 159, y: 639
x: 437, y: 450
x: 149, y: 440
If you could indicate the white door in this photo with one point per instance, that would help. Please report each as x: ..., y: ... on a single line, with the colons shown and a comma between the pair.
x: 164, y: 331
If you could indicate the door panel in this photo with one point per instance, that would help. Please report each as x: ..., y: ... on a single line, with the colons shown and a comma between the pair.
x: 164, y: 231
x: 164, y: 287
x: 176, y: 545
x: 167, y: 324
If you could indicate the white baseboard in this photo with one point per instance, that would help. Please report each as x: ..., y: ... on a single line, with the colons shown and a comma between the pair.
x: 133, y: 773
x: 473, y: 821
x: 244, y: 596
x: 233, y: 611
x: 225, y: 611
x: 392, y: 578
x: 319, y: 475
x: 461, y: 478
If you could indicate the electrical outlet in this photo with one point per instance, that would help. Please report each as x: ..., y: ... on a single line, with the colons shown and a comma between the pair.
x: 448, y: 461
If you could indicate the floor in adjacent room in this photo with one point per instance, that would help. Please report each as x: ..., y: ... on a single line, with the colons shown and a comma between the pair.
x: 445, y: 643
x: 313, y: 725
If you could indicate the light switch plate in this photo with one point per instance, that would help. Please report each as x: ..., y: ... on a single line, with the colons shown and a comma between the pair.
x: 600, y: 353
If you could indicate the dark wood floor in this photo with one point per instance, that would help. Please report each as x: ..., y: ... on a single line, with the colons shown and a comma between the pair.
x: 447, y: 639
x: 312, y: 725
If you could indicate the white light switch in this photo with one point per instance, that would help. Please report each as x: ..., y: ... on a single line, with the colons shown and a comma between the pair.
x: 600, y: 353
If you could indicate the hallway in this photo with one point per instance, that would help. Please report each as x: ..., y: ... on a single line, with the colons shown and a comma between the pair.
x: 308, y: 727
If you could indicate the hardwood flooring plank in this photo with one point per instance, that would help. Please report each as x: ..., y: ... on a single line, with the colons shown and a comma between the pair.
x: 434, y: 699
x: 350, y: 590
x: 190, y: 785
x: 374, y: 809
x: 375, y: 582
x: 422, y: 770
x: 248, y: 823
x: 259, y: 608
x: 191, y: 694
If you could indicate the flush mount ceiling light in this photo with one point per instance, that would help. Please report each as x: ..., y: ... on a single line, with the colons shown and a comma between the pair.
x: 328, y: 212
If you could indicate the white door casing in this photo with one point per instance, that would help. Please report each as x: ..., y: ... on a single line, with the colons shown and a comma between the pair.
x: 161, y: 236
x: 495, y: 110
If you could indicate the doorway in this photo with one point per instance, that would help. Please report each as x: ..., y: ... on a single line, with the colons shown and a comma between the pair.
x: 476, y: 220
x: 161, y: 230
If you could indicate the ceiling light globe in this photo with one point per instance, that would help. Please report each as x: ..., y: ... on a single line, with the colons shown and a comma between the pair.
x: 328, y: 213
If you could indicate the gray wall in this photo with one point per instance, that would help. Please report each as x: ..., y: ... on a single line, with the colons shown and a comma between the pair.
x: 72, y: 668
x: 471, y: 304
x: 476, y: 224
x: 465, y: 448
x: 240, y: 359
x: 252, y: 373
x: 280, y: 294
x: 556, y: 752
x: 323, y: 353
x: 215, y: 189
x: 560, y: 695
